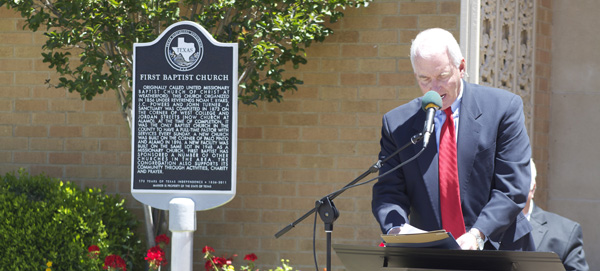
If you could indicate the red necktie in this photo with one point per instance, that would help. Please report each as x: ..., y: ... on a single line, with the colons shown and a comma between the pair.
x: 452, y: 217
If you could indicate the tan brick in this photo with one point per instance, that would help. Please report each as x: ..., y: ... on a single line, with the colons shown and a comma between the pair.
x: 377, y: 93
x: 355, y: 162
x: 381, y: 8
x: 76, y: 118
x: 262, y: 147
x: 64, y: 158
x: 378, y: 65
x: 394, y: 50
x: 115, y: 118
x: 359, y: 50
x: 263, y: 119
x: 250, y: 132
x: 45, y: 144
x: 321, y: 78
x: 359, y: 106
x: 399, y: 22
x: 30, y: 157
x: 110, y: 105
x: 65, y: 131
x: 278, y: 216
x: 281, y: 133
x: 338, y: 119
x: 316, y: 162
x: 15, y: 118
x: 14, y: 92
x: 359, y: 134
x: 82, y: 172
x: 289, y: 106
x: 6, y: 78
x: 7, y: 51
x: 446, y: 22
x: 338, y: 148
x: 16, y: 38
x: 344, y: 36
x: 313, y: 190
x: 48, y: 118
x: 48, y: 92
x: 300, y: 119
x: 280, y: 161
x: 323, y: 50
x: 100, y: 158
x: 381, y: 36
x: 6, y: 130
x: 298, y: 175
x: 320, y: 106
x: 397, y: 79
x: 242, y: 216
x: 319, y: 133
x: 78, y: 144
x: 368, y: 148
x: 28, y: 52
x: 31, y: 78
x: 116, y: 172
x: 366, y: 22
x: 336, y: 93
x: 31, y: 105
x: 115, y: 145
x: 300, y: 147
x: 101, y: 131
x: 67, y: 105
x: 15, y: 64
x: 358, y: 79
x: 54, y: 171
x: 338, y: 65
x: 450, y: 8
x: 31, y: 131
x: 418, y: 8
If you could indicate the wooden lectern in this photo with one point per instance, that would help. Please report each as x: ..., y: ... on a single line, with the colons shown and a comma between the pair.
x: 366, y: 258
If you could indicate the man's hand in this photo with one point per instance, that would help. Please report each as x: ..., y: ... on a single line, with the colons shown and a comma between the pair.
x: 468, y: 241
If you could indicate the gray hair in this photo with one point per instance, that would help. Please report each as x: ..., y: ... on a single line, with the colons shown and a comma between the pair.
x: 434, y: 40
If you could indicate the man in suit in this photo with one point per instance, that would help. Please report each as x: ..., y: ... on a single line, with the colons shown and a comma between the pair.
x: 492, y: 156
x: 554, y: 233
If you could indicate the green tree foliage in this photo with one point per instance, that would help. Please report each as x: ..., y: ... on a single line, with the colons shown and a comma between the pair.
x: 89, y: 42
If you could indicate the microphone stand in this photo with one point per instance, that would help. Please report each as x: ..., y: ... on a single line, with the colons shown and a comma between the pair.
x: 327, y: 210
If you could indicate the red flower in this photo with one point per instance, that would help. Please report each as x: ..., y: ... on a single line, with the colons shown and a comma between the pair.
x: 207, y: 249
x: 156, y: 257
x: 93, y: 251
x: 163, y: 238
x: 94, y: 248
x: 114, y: 261
x: 250, y: 257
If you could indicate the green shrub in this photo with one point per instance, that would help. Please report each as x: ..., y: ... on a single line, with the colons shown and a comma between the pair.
x: 46, y: 219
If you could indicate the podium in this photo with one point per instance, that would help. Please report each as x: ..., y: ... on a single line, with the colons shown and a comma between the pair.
x: 366, y: 258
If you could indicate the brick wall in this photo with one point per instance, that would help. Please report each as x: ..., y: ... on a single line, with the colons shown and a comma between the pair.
x: 290, y: 154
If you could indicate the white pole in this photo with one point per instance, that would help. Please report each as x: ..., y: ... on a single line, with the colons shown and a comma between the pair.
x: 182, y: 223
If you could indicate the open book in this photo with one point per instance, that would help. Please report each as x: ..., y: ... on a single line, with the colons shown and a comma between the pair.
x: 413, y: 237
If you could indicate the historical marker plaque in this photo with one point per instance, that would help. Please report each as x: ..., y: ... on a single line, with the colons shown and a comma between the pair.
x: 185, y: 118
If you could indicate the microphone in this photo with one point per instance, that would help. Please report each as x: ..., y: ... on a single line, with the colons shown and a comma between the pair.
x: 430, y: 103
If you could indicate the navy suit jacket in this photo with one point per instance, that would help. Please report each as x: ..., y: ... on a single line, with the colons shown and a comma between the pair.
x: 493, y: 169
x: 560, y: 235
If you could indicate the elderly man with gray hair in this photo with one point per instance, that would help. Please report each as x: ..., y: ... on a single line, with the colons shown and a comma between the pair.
x: 554, y: 233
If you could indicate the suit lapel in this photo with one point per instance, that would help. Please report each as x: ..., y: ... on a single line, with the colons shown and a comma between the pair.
x: 538, y: 222
x: 468, y: 134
